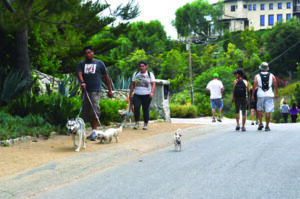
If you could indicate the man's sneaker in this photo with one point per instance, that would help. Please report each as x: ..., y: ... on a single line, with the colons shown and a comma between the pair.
x: 93, y: 136
x: 267, y: 129
x: 260, y: 127
x: 256, y: 122
x: 243, y: 129
x: 237, y: 128
x: 145, y: 127
x: 219, y: 119
x: 252, y: 123
x: 214, y: 120
x: 136, y: 126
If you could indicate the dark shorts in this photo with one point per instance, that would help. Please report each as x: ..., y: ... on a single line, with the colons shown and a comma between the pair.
x: 240, y: 104
x: 253, y: 105
x: 88, y: 113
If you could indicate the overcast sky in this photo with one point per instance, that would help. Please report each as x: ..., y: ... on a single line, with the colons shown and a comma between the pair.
x: 162, y: 10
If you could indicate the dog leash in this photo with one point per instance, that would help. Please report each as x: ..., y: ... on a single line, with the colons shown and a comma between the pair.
x: 93, y: 108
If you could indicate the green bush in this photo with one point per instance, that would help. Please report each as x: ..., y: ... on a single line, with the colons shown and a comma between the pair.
x: 202, y: 102
x: 153, y: 115
x: 181, y: 98
x: 109, y: 111
x: 13, y: 127
x: 183, y: 111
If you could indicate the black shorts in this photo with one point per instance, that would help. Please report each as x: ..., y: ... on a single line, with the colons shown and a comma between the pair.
x: 253, y: 105
x: 240, y: 104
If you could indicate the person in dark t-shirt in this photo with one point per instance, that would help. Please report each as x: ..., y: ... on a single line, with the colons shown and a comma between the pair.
x: 89, y: 73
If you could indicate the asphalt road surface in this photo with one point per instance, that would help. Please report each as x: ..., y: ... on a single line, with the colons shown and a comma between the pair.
x: 225, y: 164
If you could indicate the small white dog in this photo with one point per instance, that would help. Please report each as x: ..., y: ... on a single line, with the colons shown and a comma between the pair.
x: 177, y: 140
x: 108, y: 134
x: 77, y: 127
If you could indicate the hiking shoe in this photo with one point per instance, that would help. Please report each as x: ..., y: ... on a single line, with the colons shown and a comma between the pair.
x: 136, y: 126
x: 214, y: 120
x: 252, y: 123
x: 219, y: 119
x: 145, y: 127
x: 267, y: 129
x: 93, y: 136
x: 243, y: 129
x: 237, y: 128
x: 260, y: 127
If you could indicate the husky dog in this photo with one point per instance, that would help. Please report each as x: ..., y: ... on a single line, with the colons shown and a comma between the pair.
x: 177, y: 140
x: 108, y: 134
x: 77, y: 126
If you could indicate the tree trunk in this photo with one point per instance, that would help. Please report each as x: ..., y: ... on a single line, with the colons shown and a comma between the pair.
x: 22, y: 56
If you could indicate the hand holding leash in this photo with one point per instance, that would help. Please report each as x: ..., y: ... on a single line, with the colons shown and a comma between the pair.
x: 110, y: 94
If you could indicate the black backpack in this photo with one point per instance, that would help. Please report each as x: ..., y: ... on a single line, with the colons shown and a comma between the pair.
x: 240, y: 89
x: 265, y: 78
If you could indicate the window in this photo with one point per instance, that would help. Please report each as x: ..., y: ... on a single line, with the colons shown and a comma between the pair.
x: 279, y: 18
x: 288, y: 5
x: 245, y: 6
x: 254, y: 6
x: 271, y: 20
x: 262, y: 6
x: 250, y: 7
x: 279, y: 6
x: 233, y: 8
x: 271, y: 6
x: 262, y: 20
x: 288, y: 16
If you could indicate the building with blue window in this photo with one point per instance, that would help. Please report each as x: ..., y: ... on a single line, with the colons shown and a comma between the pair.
x: 259, y: 14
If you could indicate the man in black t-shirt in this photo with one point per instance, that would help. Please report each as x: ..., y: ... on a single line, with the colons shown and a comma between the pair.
x: 89, y: 74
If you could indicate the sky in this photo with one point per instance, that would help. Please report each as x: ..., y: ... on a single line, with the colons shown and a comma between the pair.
x: 162, y: 10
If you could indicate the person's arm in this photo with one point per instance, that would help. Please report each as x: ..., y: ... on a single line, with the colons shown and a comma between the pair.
x: 234, y: 83
x: 107, y: 81
x: 80, y: 79
x: 275, y: 86
x: 152, y: 89
x: 253, y: 89
x: 132, y: 86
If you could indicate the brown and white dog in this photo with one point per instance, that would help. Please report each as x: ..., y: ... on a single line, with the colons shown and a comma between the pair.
x: 177, y: 140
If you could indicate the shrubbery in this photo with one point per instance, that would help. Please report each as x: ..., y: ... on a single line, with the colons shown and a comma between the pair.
x: 183, y: 111
x: 34, y: 125
x: 109, y: 111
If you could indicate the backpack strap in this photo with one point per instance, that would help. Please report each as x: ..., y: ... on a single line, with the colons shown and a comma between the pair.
x: 149, y: 74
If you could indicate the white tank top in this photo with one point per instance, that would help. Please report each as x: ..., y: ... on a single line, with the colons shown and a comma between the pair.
x: 260, y: 92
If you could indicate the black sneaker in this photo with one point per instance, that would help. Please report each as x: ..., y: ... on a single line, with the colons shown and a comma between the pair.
x: 260, y: 127
x: 237, y: 128
x: 252, y: 123
x: 219, y: 119
x: 214, y: 120
x: 267, y: 129
x: 243, y: 129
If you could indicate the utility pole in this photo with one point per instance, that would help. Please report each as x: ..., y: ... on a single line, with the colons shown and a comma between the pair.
x: 188, y: 47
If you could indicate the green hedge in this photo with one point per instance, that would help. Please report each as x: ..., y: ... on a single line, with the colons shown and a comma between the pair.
x: 33, y: 125
x: 183, y: 111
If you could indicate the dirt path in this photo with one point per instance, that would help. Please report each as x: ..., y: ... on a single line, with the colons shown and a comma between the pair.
x: 21, y: 157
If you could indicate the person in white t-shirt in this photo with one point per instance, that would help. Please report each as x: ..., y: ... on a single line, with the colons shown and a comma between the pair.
x: 265, y: 82
x: 216, y: 89
x: 143, y: 86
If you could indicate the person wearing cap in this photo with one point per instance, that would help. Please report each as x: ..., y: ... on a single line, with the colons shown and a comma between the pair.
x: 239, y: 97
x: 216, y: 89
x: 265, y: 81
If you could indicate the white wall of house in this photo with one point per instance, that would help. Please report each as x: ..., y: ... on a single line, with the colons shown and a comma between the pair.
x: 237, y: 12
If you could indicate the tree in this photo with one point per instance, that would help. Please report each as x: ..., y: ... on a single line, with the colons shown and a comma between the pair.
x: 196, y: 17
x: 82, y: 19
x: 282, y: 37
x: 150, y: 37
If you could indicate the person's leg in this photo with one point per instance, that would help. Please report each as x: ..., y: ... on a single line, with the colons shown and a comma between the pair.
x: 213, y: 109
x: 285, y: 117
x: 137, y: 102
x: 220, y: 107
x: 268, y: 117
x: 260, y: 102
x: 269, y: 103
x: 146, y: 101
x: 237, y: 115
x: 252, y: 114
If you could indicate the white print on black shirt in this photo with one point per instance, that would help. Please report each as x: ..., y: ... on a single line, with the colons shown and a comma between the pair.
x: 90, y: 68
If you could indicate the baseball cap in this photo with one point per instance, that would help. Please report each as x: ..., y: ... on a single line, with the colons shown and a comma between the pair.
x: 239, y: 71
x: 215, y: 75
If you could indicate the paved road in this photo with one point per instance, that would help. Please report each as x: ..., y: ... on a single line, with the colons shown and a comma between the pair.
x: 221, y: 165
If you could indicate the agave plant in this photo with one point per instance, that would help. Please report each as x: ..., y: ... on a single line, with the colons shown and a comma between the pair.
x: 13, y: 86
